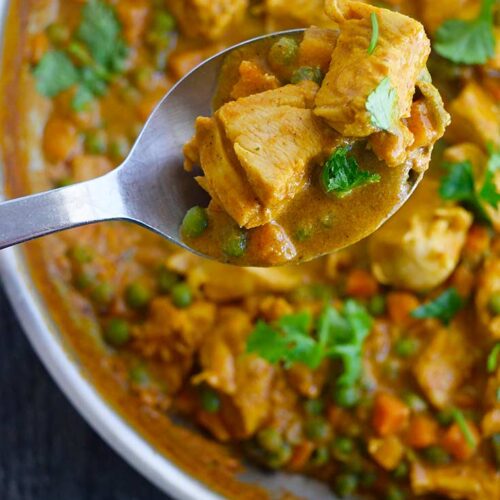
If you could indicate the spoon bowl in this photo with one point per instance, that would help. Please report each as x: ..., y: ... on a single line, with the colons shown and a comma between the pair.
x: 150, y: 187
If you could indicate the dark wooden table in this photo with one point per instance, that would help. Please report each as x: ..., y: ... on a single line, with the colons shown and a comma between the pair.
x: 47, y: 451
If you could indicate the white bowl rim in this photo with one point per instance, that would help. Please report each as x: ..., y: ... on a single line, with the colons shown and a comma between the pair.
x: 42, y: 334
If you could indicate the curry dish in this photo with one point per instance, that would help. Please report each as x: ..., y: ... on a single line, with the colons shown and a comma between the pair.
x: 375, y: 369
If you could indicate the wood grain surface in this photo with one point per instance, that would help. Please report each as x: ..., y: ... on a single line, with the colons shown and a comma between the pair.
x: 47, y: 451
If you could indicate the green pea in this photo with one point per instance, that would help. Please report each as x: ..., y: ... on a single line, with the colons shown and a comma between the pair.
x: 137, y: 296
x: 96, y: 142
x: 281, y: 457
x: 377, y: 305
x: 166, y: 279
x: 163, y: 21
x: 139, y: 375
x: 436, y: 455
x: 320, y: 456
x: 283, y: 52
x: 210, y: 400
x: 235, y: 244
x: 84, y: 280
x: 58, y: 33
x: 314, y: 406
x: 345, y: 484
x: 195, y: 222
x: 81, y: 254
x: 494, y: 303
x: 346, y: 396
x: 181, y: 295
x: 405, y: 347
x: 317, y: 429
x: 394, y: 493
x: 342, y: 447
x: 103, y: 293
x: 445, y: 417
x: 117, y: 332
x: 118, y: 148
x: 414, y: 401
x: 270, y: 440
x: 368, y: 478
x: 306, y: 73
x: 401, y: 471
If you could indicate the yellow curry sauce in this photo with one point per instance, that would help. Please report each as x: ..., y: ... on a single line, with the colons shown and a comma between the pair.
x: 398, y: 392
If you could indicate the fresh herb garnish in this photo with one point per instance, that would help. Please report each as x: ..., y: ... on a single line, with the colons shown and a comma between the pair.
x: 381, y: 104
x: 374, y: 38
x: 492, y: 361
x: 459, y: 419
x: 468, y: 42
x: 341, y: 174
x: 460, y: 185
x: 336, y: 334
x: 443, y: 307
x: 90, y: 62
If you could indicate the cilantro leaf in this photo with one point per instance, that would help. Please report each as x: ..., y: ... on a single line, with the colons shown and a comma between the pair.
x: 381, y: 104
x: 443, y: 307
x: 341, y: 174
x: 55, y: 73
x: 468, y: 42
x: 338, y: 335
x: 492, y: 361
x: 101, y: 31
x: 374, y: 38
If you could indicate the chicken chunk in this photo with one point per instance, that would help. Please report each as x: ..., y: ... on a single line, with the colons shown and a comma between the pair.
x: 284, y: 14
x: 489, y: 284
x: 256, y: 152
x: 472, y: 482
x: 474, y: 117
x: 401, y: 54
x: 420, y: 246
x: 444, y: 364
x: 207, y: 18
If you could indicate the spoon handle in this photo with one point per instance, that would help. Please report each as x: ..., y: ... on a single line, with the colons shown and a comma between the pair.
x: 33, y: 216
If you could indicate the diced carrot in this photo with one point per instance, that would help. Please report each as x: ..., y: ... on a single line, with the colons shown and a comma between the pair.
x: 478, y: 241
x: 420, y: 124
x: 390, y: 414
x: 455, y: 442
x: 301, y: 455
x: 60, y: 139
x: 399, y: 307
x: 422, y: 432
x: 361, y: 284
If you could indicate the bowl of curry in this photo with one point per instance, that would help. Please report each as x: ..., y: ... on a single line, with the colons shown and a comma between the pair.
x: 371, y: 372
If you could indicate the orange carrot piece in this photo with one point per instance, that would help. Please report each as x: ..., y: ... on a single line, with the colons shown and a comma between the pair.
x: 420, y: 124
x: 457, y: 445
x: 390, y: 414
x: 422, y: 432
x: 399, y: 307
x: 301, y: 455
x: 361, y: 284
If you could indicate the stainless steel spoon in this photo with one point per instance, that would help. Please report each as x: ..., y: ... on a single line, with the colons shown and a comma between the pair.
x: 149, y: 188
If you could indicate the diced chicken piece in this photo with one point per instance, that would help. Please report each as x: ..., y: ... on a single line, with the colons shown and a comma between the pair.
x: 207, y: 18
x: 173, y: 336
x: 256, y: 152
x: 272, y: 244
x: 283, y: 14
x: 401, y: 54
x: 133, y: 15
x: 434, y: 14
x: 420, y: 246
x: 472, y: 482
x: 222, y: 283
x: 387, y: 452
x: 308, y: 383
x: 474, y: 117
x: 253, y: 80
x: 488, y: 284
x: 444, y: 363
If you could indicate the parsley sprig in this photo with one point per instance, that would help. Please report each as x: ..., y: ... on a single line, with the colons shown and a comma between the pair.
x: 460, y: 185
x: 91, y: 61
x: 382, y: 105
x: 295, y: 339
x: 341, y: 174
x: 468, y: 42
x: 444, y: 307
